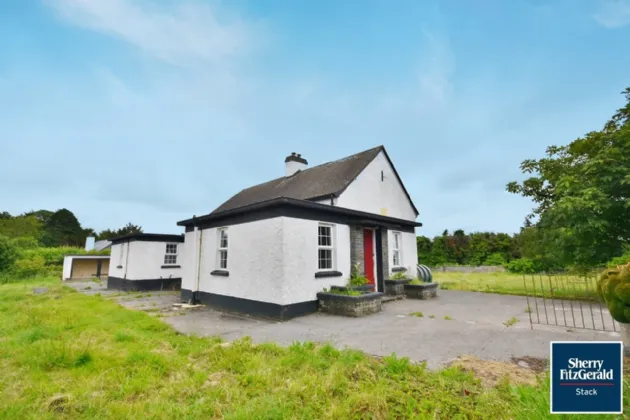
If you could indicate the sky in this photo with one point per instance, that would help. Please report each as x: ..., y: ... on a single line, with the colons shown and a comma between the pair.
x: 152, y: 111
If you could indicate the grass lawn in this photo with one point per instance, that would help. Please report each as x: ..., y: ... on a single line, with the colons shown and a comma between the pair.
x: 561, y: 286
x: 67, y: 355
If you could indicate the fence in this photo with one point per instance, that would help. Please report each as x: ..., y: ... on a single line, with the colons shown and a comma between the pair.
x: 566, y: 300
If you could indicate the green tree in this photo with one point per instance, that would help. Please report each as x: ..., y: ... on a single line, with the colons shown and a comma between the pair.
x: 128, y: 229
x: 20, y: 226
x: 63, y: 228
x: 581, y: 192
x: 424, y: 245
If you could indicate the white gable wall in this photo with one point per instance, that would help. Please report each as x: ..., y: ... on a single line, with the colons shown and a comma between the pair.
x: 368, y: 193
x: 300, y: 264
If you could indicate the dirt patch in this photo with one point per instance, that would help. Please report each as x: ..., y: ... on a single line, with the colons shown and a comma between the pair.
x: 534, y: 363
x: 491, y: 372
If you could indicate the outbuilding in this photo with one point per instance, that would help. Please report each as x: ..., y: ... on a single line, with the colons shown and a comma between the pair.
x: 271, y: 248
x: 85, y: 267
x: 146, y: 261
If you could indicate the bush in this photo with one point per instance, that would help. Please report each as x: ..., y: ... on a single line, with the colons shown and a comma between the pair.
x: 495, y: 259
x: 24, y: 268
x: 614, y: 288
x: 521, y: 266
x: 624, y: 259
x: 24, y: 242
x: 8, y: 254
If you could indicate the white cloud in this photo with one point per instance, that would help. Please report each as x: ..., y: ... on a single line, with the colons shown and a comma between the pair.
x: 180, y: 34
x: 613, y: 13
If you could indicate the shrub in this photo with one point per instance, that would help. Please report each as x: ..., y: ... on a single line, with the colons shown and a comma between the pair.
x: 522, y: 266
x: 495, y: 259
x: 614, y: 288
x: 24, y: 268
x: 399, y: 275
x: 8, y: 253
x: 24, y: 242
x: 355, y: 278
x: 623, y: 259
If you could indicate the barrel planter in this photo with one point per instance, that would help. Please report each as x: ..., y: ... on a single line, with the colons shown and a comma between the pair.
x: 421, y: 291
x: 347, y: 305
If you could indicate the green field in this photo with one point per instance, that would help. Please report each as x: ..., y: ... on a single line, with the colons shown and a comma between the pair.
x: 67, y: 355
x: 557, y: 286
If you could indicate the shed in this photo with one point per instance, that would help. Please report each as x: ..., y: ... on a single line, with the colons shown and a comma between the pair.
x: 82, y: 267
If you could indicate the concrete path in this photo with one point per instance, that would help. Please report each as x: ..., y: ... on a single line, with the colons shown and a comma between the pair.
x: 477, y: 327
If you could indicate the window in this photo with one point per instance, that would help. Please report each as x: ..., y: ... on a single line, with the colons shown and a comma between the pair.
x: 325, y: 254
x: 223, y: 249
x: 171, y: 254
x: 396, y: 249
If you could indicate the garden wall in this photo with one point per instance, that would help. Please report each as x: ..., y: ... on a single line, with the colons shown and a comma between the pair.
x: 469, y: 269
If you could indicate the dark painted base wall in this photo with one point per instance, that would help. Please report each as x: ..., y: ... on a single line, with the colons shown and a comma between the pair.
x: 117, y: 283
x: 252, y: 307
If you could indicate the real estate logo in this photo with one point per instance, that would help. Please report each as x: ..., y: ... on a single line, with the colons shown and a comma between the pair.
x: 586, y: 377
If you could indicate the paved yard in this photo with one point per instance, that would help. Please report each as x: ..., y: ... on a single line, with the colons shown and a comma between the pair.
x: 477, y: 326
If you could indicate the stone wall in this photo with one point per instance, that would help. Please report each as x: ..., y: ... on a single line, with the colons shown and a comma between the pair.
x: 356, y: 248
x: 385, y: 246
x: 395, y: 287
x: 421, y: 291
x: 469, y: 269
x: 353, y: 306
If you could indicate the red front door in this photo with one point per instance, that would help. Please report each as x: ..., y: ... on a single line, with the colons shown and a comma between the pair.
x: 368, y: 254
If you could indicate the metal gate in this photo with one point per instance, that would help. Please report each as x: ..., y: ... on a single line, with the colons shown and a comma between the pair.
x: 566, y: 300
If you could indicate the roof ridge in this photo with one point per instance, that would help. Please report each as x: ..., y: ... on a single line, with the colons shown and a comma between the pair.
x: 311, y: 167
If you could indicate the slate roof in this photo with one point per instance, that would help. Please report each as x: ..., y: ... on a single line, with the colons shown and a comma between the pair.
x: 316, y: 183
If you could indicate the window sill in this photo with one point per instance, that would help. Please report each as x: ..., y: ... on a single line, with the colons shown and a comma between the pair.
x: 331, y: 273
x: 223, y: 273
x: 398, y: 269
x: 171, y: 266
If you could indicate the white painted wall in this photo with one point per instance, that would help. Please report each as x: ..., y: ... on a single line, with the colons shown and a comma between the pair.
x: 300, y: 259
x: 67, y: 267
x: 118, y: 256
x: 409, y: 251
x: 188, y: 261
x: 144, y: 260
x: 254, y: 261
x: 271, y: 260
x: 368, y: 193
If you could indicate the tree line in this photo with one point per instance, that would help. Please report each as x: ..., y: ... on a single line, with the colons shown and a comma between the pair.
x: 54, y: 228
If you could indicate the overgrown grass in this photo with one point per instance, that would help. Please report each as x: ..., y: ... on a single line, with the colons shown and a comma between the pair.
x: 561, y: 286
x: 67, y: 355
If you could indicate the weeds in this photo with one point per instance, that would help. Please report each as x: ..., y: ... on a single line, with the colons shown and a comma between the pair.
x: 417, y: 314
x: 448, y: 318
x: 510, y: 322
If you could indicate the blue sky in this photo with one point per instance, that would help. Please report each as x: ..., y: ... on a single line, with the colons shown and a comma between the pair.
x: 150, y: 112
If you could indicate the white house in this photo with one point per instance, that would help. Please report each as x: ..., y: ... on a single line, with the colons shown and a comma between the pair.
x: 146, y: 261
x: 269, y: 249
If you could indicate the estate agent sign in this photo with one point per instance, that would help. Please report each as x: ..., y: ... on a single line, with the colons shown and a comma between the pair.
x: 586, y: 377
